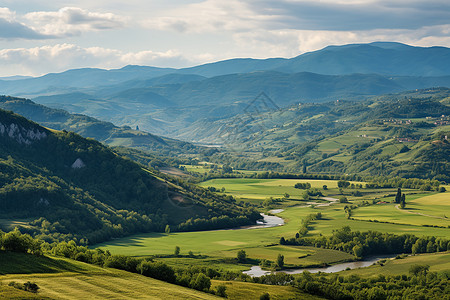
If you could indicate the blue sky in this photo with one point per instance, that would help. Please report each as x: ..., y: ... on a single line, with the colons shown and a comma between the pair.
x: 38, y: 37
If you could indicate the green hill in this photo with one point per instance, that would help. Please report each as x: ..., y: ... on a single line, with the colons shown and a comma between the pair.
x: 394, y: 135
x: 59, y: 185
x: 93, y: 128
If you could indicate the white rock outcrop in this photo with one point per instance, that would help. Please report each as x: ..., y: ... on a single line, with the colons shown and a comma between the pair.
x: 21, y: 134
x: 78, y: 164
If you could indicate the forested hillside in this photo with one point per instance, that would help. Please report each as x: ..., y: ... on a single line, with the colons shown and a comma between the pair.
x: 59, y: 185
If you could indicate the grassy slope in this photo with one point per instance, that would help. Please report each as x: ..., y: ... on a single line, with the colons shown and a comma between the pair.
x: 60, y: 278
x: 252, y: 291
x: 429, y: 210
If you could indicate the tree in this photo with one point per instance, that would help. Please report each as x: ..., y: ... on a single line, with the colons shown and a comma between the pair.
x: 221, y: 291
x: 227, y: 169
x: 167, y: 229
x: 305, y: 195
x: 419, y: 269
x: 343, y: 199
x: 402, y: 201
x: 343, y: 184
x: 280, y: 261
x: 31, y: 287
x: 241, y: 256
x: 264, y: 296
x: 325, y: 187
x: 17, y: 242
x: 358, y: 250
x: 398, y: 196
x: 200, y: 282
x: 177, y: 251
x: 286, y: 195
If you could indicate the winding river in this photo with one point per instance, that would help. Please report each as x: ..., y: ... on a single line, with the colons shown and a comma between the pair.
x: 256, y: 271
x: 273, y: 221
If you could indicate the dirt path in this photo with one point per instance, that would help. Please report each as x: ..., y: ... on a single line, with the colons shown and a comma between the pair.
x: 332, y: 201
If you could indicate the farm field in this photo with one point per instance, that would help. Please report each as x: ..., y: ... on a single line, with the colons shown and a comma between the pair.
x: 260, y: 189
x: 218, y: 247
x: 60, y: 278
x: 428, y: 210
x: 252, y: 291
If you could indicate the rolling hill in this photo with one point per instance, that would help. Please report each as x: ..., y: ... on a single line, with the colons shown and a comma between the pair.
x: 90, y: 127
x: 170, y: 108
x: 59, y: 185
x: 404, y: 134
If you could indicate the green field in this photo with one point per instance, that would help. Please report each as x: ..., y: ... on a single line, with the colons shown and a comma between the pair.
x: 420, y: 210
x: 260, y: 189
x: 252, y: 291
x: 60, y: 278
x: 437, y: 261
x: 218, y: 247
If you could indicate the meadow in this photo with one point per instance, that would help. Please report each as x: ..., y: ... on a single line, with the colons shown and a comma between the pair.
x: 220, y: 246
x: 61, y: 278
x: 252, y: 291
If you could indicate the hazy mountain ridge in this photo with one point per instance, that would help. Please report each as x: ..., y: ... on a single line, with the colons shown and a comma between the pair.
x: 90, y: 127
x: 166, y: 101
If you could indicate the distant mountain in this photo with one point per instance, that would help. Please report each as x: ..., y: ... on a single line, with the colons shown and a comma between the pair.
x: 167, y: 101
x: 383, y: 58
x: 79, y: 78
x: 172, y: 109
x: 16, y: 77
x: 377, y: 58
x: 59, y: 185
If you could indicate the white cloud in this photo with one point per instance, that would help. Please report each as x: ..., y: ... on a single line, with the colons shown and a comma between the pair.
x: 70, y: 21
x: 11, y: 28
x: 289, y: 43
x: 60, y: 57
x: 210, y: 16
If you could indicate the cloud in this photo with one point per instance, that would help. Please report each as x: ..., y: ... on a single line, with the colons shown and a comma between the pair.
x: 10, y: 28
x: 362, y: 15
x: 344, y: 15
x: 209, y: 16
x: 60, y: 57
x: 69, y: 21
x: 288, y: 43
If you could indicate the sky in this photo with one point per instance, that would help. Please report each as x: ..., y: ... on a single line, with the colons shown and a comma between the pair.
x: 44, y: 36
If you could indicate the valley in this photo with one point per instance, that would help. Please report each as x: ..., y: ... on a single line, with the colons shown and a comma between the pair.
x: 151, y: 183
